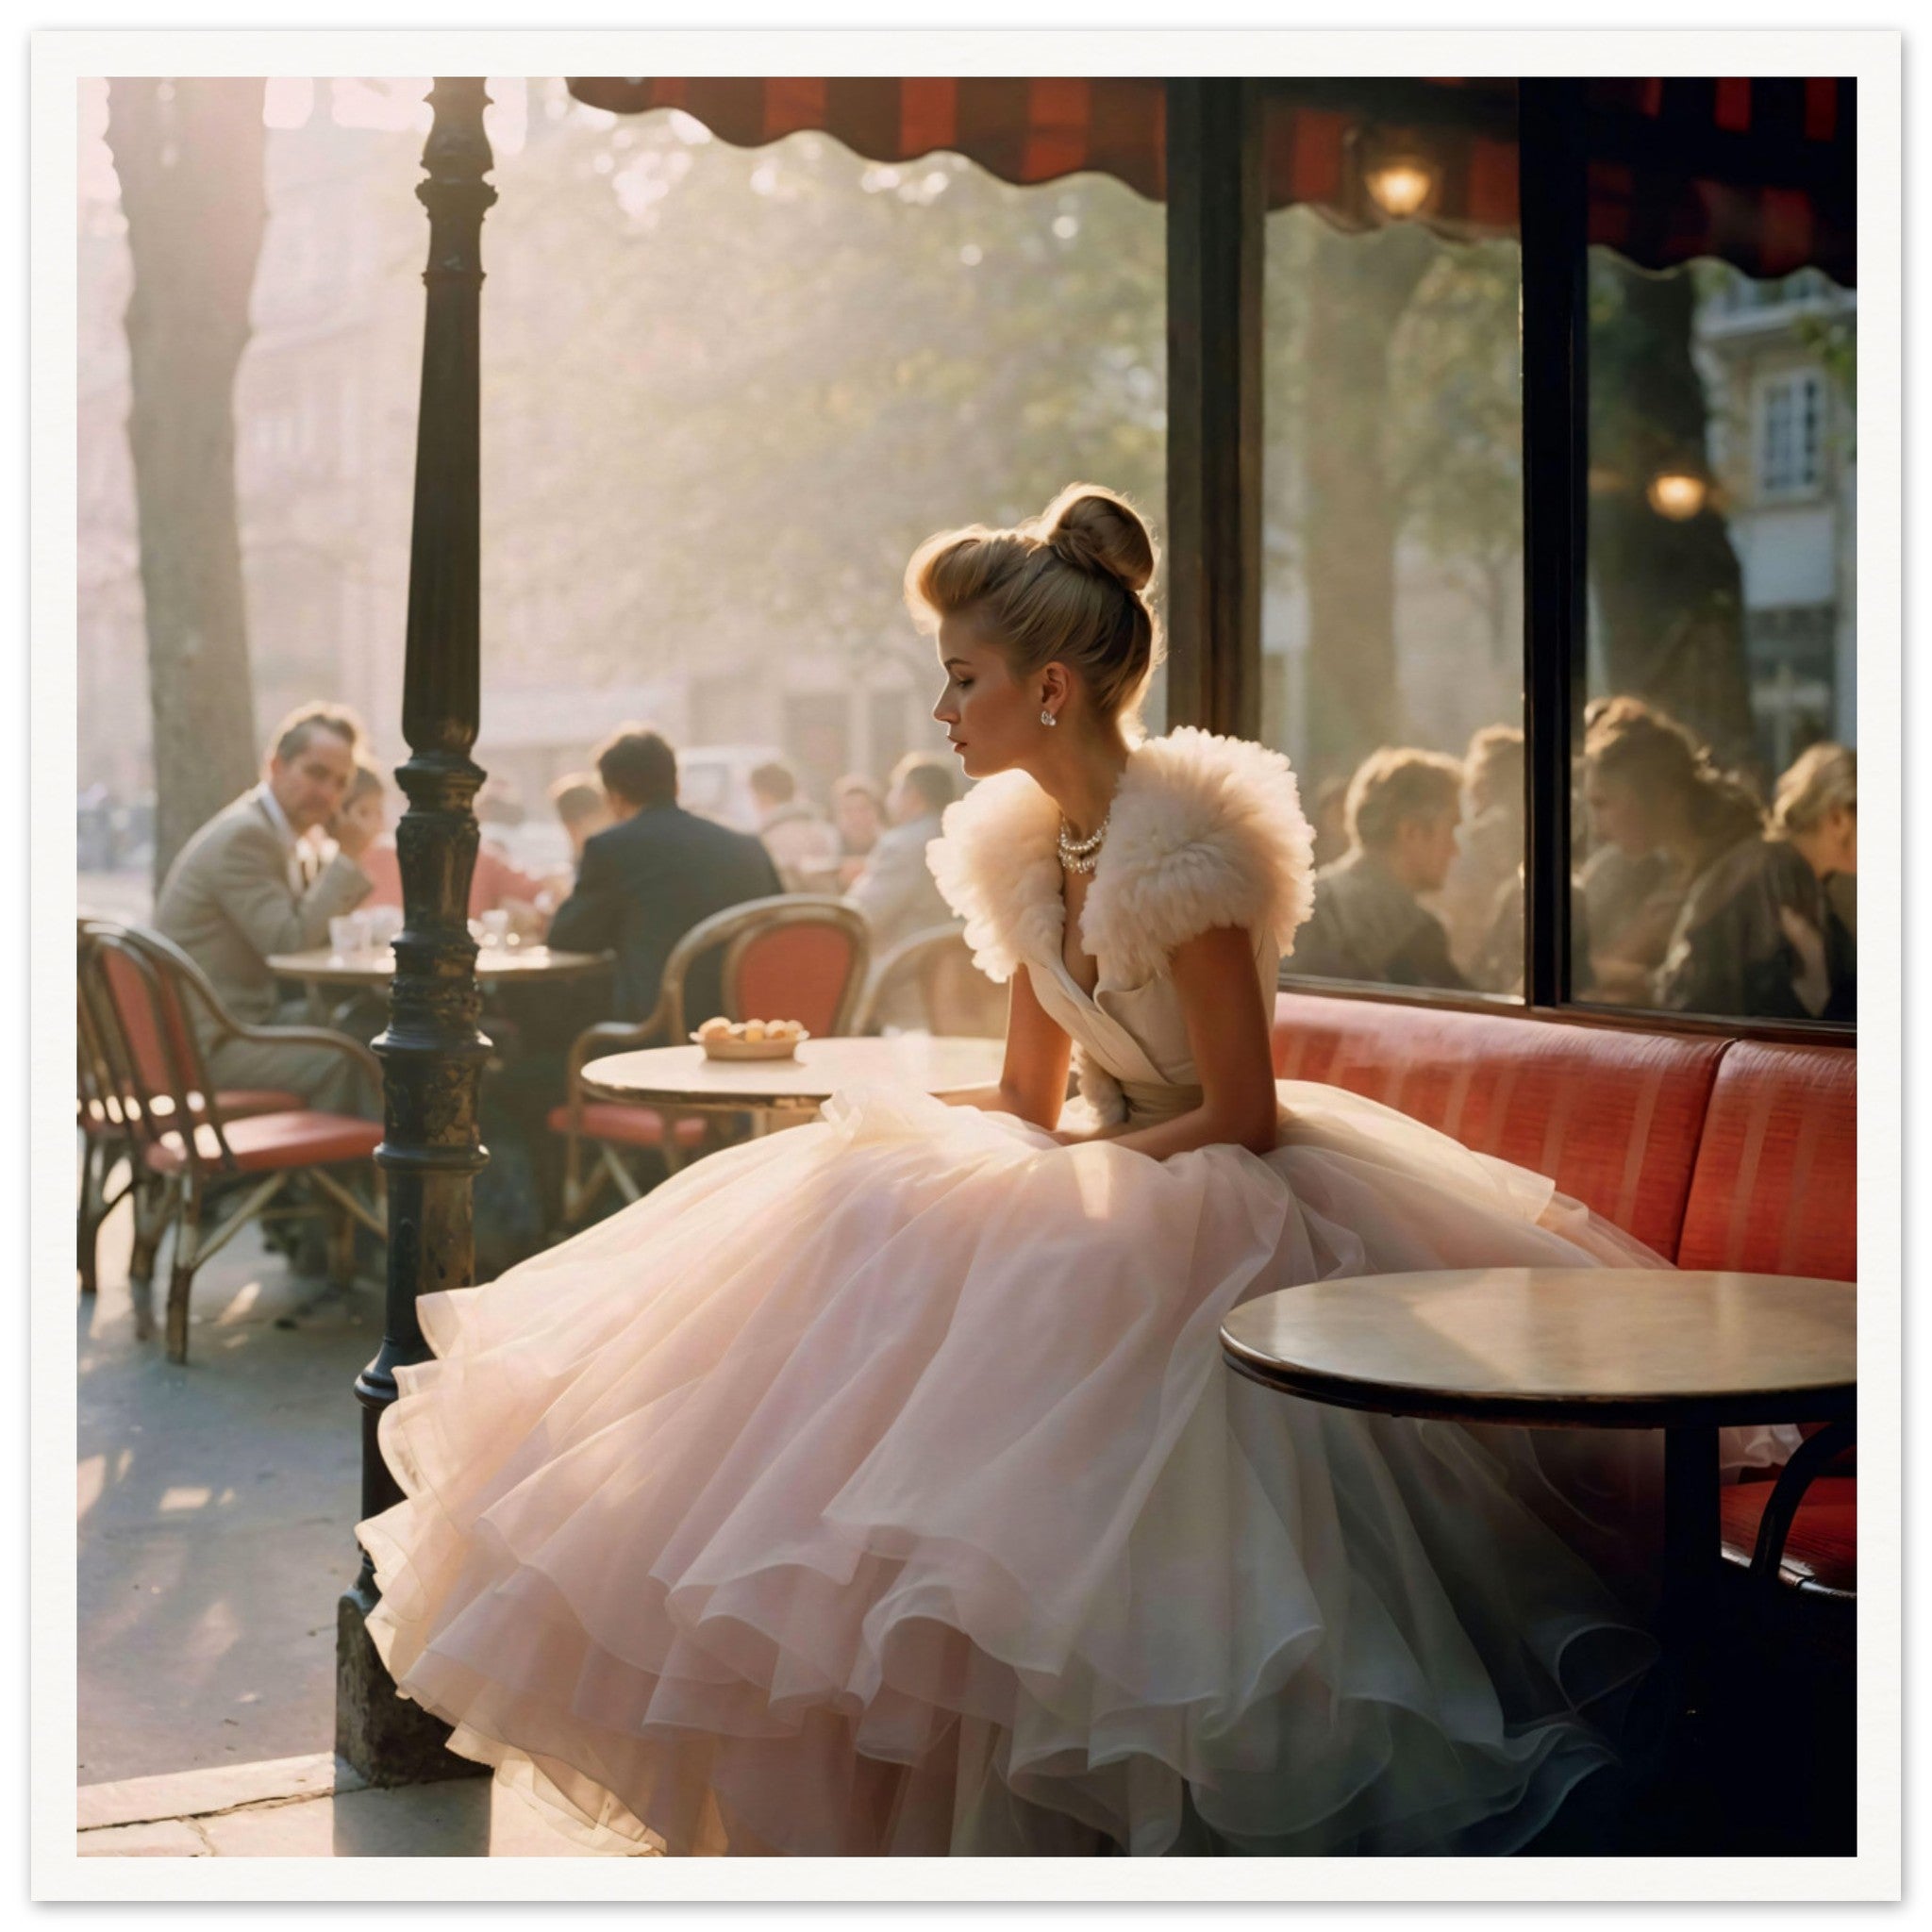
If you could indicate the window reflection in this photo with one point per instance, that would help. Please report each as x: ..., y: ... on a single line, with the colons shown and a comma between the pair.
x: 1717, y: 788
x: 1392, y: 609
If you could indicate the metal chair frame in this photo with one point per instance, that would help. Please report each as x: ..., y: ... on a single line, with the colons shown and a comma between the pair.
x: 106, y: 1132
x: 161, y: 973
x: 921, y: 954
x: 737, y: 929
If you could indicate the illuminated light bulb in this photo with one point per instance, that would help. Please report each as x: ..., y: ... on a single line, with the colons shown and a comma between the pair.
x: 1401, y: 186
x: 1677, y: 495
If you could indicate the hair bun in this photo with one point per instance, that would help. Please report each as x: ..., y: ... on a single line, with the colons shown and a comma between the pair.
x: 1094, y: 529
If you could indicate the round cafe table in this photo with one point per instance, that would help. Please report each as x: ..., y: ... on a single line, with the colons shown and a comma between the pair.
x: 787, y: 1092
x: 1602, y: 1348
x: 376, y: 965
x: 373, y: 968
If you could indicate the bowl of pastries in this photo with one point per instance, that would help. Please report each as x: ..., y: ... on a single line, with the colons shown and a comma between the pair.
x: 750, y: 1039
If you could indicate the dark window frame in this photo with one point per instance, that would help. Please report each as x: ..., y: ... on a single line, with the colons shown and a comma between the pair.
x: 1216, y: 211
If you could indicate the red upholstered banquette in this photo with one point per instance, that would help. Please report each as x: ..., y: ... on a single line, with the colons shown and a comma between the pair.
x: 1716, y: 1153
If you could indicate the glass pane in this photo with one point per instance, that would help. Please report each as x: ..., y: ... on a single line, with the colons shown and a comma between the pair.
x: 1392, y: 611
x: 1717, y: 835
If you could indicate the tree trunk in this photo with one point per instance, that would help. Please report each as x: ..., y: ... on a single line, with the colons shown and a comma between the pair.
x: 1670, y: 595
x: 1358, y: 287
x: 189, y: 156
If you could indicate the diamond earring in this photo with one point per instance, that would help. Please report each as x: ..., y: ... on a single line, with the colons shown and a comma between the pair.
x: 1048, y: 718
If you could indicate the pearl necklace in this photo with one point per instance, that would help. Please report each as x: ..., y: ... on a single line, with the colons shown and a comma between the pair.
x: 1082, y: 855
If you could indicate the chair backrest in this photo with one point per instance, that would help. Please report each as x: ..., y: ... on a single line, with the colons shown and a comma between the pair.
x: 803, y: 961
x: 795, y: 956
x: 146, y: 994
x: 104, y: 1084
x: 956, y: 998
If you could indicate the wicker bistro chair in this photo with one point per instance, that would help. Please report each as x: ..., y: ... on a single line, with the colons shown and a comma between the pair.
x: 191, y: 1146
x: 958, y: 999
x: 797, y: 956
x: 109, y: 1103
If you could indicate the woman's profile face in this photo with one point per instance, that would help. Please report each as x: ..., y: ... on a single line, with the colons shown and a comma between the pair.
x: 991, y: 721
x: 1619, y: 815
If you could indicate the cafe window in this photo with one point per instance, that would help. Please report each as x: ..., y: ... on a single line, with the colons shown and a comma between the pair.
x: 1559, y: 480
x: 1392, y: 620
x: 1715, y: 813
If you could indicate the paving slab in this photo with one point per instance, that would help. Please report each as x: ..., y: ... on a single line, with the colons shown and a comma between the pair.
x: 218, y: 1503
x: 314, y: 1807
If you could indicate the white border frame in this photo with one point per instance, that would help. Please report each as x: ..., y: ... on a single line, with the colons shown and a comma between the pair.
x: 59, y: 60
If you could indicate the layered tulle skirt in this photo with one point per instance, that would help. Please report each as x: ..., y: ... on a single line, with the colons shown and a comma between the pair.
x: 879, y: 1486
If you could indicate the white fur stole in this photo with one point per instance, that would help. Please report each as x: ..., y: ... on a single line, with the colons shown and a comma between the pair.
x: 1206, y: 831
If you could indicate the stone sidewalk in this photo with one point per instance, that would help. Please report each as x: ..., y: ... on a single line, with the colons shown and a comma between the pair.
x: 217, y: 1503
x: 310, y: 1807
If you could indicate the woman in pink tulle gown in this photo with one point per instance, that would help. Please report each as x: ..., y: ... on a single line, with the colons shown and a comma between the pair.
x: 877, y: 1487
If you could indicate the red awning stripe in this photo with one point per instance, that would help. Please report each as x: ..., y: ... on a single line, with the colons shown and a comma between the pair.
x: 1759, y: 173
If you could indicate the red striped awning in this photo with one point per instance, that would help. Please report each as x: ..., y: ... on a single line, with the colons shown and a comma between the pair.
x: 1759, y: 172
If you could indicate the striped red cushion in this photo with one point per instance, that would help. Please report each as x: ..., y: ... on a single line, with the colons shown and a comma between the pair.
x: 1776, y: 1189
x: 1612, y: 1117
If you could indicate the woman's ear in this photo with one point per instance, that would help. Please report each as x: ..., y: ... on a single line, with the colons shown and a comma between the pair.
x: 1055, y: 684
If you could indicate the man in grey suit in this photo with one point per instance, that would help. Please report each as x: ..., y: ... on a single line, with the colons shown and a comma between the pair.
x: 246, y: 886
x: 895, y: 890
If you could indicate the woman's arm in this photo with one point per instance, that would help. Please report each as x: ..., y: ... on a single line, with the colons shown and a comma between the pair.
x: 1033, y: 1079
x: 1227, y: 1030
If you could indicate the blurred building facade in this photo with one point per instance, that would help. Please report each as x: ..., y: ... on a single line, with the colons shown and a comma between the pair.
x: 1785, y: 455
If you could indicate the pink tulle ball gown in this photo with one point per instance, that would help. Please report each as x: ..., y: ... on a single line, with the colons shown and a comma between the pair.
x: 879, y: 1488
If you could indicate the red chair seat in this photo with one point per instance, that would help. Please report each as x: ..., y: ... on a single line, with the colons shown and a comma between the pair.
x: 271, y: 1141
x: 630, y: 1126
x: 235, y: 1103
x: 1823, y: 1547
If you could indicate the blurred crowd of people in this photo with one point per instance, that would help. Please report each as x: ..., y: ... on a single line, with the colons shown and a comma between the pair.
x: 1689, y: 893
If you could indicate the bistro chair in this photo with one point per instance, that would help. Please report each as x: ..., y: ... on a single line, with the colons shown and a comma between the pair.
x: 956, y: 997
x: 109, y: 1086
x: 193, y: 1147
x: 797, y: 956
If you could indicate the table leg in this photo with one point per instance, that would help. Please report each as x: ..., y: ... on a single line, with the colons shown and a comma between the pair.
x: 1693, y: 1561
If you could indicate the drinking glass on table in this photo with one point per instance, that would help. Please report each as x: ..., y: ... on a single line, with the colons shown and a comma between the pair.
x: 495, y: 928
x: 345, y: 934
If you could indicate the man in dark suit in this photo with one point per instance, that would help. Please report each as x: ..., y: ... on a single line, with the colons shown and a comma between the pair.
x: 653, y: 875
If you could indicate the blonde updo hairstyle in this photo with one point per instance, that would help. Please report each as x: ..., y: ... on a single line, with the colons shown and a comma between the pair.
x: 1068, y: 586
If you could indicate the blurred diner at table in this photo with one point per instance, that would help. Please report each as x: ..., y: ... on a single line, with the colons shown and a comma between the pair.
x: 497, y: 883
x: 266, y: 874
x: 1369, y: 921
x: 1735, y: 920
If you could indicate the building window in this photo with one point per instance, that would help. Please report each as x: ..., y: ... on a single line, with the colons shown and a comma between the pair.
x: 1791, y: 434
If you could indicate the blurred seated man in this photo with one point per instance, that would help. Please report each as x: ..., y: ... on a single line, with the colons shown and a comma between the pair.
x: 248, y: 886
x: 654, y: 874
x: 803, y: 846
x: 1402, y: 813
x: 496, y: 884
x: 894, y: 889
x: 858, y: 817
